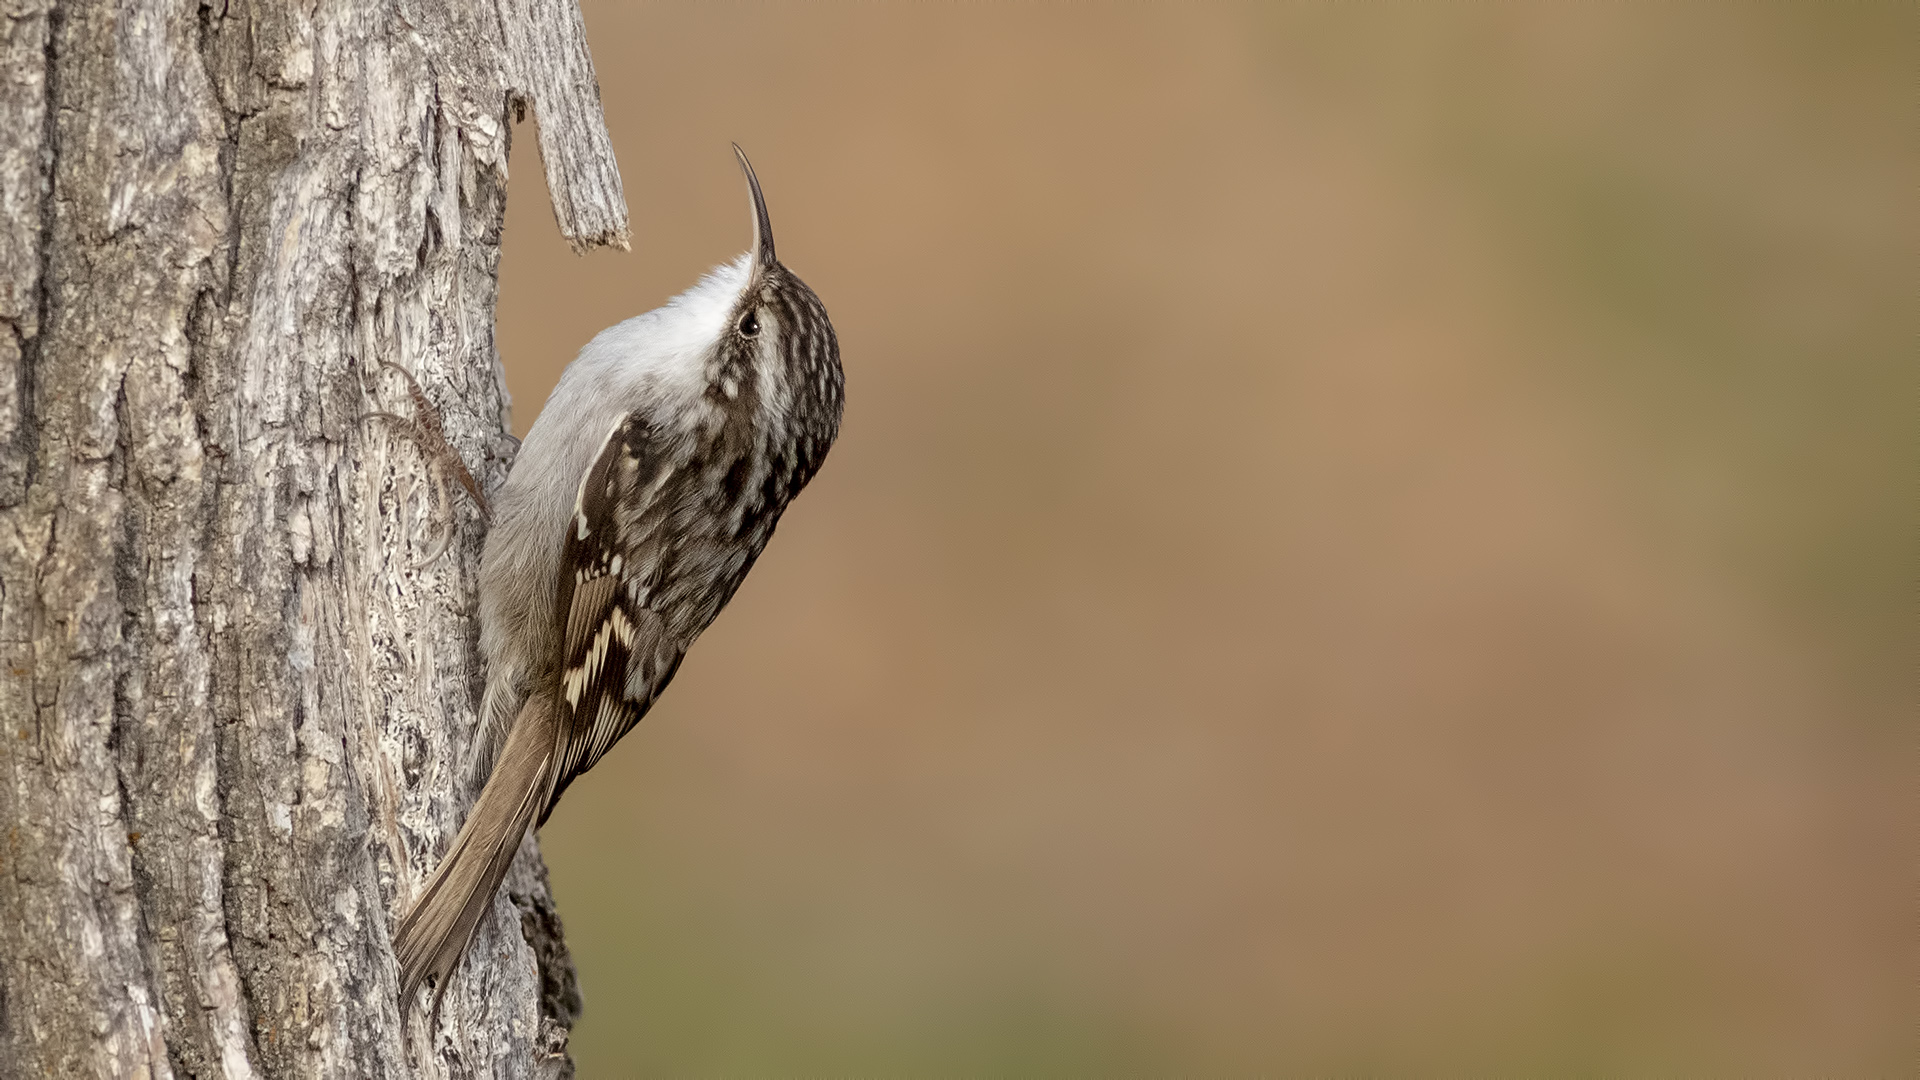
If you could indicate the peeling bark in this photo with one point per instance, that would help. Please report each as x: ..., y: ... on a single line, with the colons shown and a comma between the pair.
x: 232, y: 708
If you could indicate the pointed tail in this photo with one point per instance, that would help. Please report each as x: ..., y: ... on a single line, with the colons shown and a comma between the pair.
x: 435, y: 932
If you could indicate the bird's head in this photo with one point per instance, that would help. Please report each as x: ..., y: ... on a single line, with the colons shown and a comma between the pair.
x: 777, y: 345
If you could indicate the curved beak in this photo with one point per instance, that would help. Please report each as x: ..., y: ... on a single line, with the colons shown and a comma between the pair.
x: 762, y: 224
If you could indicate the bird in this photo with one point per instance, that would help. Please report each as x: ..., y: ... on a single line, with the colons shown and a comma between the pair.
x: 644, y: 491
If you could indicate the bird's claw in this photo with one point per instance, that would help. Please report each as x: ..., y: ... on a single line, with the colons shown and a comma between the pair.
x: 425, y: 431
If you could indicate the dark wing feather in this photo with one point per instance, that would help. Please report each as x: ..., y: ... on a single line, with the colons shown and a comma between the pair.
x: 611, y: 642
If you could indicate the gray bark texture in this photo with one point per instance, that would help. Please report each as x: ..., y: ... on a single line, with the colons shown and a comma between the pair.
x: 234, y: 691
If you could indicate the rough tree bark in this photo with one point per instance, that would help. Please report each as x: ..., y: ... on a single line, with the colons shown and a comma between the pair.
x: 233, y: 699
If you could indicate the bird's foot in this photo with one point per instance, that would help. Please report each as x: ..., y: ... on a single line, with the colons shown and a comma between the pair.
x: 425, y: 431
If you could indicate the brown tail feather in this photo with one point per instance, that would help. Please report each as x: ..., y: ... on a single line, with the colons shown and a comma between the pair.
x: 434, y: 933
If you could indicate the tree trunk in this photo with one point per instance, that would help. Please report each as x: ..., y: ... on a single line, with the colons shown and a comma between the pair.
x: 234, y: 692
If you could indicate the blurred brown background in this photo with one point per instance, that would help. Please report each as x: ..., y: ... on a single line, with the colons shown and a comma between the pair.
x: 1364, y: 538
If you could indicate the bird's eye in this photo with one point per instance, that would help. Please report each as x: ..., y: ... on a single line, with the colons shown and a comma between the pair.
x: 749, y: 324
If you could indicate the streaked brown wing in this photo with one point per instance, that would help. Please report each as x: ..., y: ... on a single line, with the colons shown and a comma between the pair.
x: 612, y: 645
